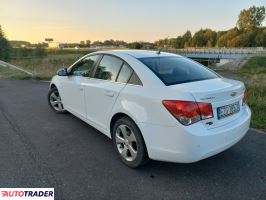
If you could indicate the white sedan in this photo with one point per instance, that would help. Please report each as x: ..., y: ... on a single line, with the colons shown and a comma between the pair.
x: 153, y: 105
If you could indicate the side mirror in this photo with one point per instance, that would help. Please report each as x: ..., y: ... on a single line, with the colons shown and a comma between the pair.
x: 62, y: 72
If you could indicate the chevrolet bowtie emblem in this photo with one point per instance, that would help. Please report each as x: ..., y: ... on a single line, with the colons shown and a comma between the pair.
x: 233, y: 94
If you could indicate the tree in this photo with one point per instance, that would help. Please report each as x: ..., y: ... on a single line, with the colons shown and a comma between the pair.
x: 97, y: 43
x: 135, y: 45
x: 163, y: 43
x: 248, y: 33
x: 210, y: 36
x: 199, y: 39
x: 187, y: 39
x: 5, y: 47
x: 251, y: 18
x: 88, y: 43
x: 227, y: 39
x: 109, y: 42
x: 222, y: 41
x: 171, y: 43
x: 120, y: 43
x: 261, y: 38
x: 40, y: 51
x: 179, y: 42
x: 82, y: 44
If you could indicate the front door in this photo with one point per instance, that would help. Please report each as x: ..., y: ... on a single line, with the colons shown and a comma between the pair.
x: 72, y: 87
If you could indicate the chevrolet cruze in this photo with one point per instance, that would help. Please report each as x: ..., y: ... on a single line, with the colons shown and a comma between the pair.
x: 153, y: 105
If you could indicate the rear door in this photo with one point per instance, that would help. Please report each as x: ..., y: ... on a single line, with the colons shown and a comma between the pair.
x: 102, y: 90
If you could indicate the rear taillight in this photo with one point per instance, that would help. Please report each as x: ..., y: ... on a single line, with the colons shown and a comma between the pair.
x: 205, y: 110
x: 188, y: 112
x: 245, y: 98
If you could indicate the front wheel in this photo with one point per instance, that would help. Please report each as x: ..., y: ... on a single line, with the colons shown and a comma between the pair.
x: 128, y: 142
x: 55, y: 101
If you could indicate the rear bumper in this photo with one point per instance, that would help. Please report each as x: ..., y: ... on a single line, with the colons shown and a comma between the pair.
x: 193, y: 143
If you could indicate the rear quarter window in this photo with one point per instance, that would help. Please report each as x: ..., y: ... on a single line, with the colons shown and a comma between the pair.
x: 174, y: 70
x: 134, y: 80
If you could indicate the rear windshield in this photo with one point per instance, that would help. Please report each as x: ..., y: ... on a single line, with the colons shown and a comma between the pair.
x: 174, y: 70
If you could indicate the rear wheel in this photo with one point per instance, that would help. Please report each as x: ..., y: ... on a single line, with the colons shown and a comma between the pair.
x: 128, y: 142
x: 55, y: 101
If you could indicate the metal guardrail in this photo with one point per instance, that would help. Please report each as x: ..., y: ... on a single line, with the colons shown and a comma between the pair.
x: 217, y: 53
x: 8, y: 65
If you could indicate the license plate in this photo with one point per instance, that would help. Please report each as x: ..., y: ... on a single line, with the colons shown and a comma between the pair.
x: 228, y: 110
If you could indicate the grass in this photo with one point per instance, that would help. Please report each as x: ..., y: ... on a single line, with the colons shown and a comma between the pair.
x: 254, y: 76
x: 68, y: 51
x: 13, y: 74
x: 45, y: 68
x: 257, y: 103
x: 254, y: 65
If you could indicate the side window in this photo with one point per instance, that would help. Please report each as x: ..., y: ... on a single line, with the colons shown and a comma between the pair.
x: 108, y: 68
x: 134, y: 79
x: 84, y: 67
x: 124, y: 74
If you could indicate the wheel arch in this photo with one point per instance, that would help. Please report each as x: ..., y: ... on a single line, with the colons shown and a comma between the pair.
x: 53, y: 86
x: 55, y: 82
x: 120, y: 115
x: 114, y: 118
x: 117, y: 116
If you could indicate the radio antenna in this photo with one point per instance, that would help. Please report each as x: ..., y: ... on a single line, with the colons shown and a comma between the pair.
x: 158, y: 52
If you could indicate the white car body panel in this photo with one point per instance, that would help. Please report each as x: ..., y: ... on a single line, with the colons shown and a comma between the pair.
x: 72, y: 94
x: 96, y: 101
x: 195, y: 142
x: 101, y: 96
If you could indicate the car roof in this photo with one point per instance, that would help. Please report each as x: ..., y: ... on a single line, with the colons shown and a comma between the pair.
x: 140, y: 53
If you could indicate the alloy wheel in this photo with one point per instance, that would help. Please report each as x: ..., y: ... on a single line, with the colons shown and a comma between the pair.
x: 126, y: 142
x: 56, y: 102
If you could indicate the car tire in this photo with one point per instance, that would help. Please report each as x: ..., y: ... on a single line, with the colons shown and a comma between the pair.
x: 55, y: 101
x: 128, y: 143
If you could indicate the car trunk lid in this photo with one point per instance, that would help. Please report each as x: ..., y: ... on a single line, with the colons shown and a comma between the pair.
x: 221, y: 93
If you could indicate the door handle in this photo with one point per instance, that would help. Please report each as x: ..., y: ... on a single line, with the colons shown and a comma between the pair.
x: 80, y: 88
x: 108, y: 93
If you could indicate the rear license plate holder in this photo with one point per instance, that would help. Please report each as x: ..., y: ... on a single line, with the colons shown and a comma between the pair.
x: 228, y: 110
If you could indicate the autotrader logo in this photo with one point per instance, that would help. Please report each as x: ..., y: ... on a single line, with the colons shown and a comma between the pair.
x: 27, y: 193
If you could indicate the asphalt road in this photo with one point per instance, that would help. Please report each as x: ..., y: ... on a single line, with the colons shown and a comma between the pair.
x: 39, y: 148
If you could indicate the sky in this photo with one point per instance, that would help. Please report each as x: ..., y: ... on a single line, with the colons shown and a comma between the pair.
x: 129, y: 20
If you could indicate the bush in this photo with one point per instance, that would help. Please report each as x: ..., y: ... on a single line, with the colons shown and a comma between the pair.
x: 5, y: 46
x: 40, y: 52
x: 20, y: 53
